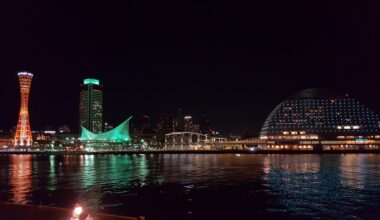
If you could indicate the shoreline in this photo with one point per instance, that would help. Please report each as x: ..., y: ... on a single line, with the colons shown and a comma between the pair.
x: 27, y: 211
x: 195, y: 152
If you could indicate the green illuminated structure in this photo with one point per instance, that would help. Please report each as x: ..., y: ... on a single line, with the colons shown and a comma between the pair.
x: 119, y: 134
x: 91, y: 81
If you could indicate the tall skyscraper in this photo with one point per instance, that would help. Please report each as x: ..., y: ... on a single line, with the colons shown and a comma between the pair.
x: 23, y: 135
x: 91, y: 105
x: 145, y: 124
x: 188, y: 123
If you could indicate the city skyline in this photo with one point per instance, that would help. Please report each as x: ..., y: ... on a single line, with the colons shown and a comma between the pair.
x: 154, y: 115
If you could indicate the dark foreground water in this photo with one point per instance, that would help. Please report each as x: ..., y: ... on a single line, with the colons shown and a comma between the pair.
x: 200, y: 186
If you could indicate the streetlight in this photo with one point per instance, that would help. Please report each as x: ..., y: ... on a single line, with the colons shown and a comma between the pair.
x: 77, y: 212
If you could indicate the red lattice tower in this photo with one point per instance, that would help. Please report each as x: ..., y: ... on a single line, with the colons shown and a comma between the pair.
x: 23, y: 136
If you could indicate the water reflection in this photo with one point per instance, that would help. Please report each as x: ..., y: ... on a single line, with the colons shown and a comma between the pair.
x: 352, y: 171
x: 88, y: 171
x: 21, y: 178
x: 91, y: 194
x: 52, y: 181
x: 167, y: 185
x: 332, y: 183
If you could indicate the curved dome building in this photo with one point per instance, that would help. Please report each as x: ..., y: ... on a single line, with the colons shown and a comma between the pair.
x: 314, y: 116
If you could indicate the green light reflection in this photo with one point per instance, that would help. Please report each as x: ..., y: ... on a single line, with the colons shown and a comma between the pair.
x: 52, y: 183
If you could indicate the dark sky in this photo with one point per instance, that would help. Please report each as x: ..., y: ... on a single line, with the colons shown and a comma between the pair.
x: 233, y: 60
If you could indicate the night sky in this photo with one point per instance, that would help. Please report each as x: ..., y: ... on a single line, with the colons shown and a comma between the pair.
x: 233, y: 60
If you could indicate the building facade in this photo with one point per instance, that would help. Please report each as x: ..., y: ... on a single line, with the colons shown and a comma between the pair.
x: 189, y: 125
x: 145, y: 124
x: 319, y: 118
x: 179, y: 121
x: 166, y: 124
x: 91, y: 105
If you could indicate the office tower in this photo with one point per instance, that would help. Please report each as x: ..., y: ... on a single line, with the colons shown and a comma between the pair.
x: 165, y: 125
x: 188, y: 123
x: 179, y: 122
x: 23, y: 135
x: 145, y: 124
x: 91, y: 105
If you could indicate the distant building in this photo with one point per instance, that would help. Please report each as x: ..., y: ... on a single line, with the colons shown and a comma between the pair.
x: 91, y: 105
x: 145, y: 124
x: 184, y: 138
x: 204, y: 125
x: 165, y: 125
x: 188, y: 123
x: 5, y: 142
x: 196, y: 128
x: 191, y: 141
x: 64, y: 129
x: 108, y: 126
x: 179, y: 121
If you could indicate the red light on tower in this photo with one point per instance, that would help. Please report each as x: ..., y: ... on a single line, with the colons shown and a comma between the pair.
x: 23, y: 136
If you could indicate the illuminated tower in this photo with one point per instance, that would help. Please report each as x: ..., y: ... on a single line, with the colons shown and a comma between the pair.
x: 23, y: 136
x: 91, y: 105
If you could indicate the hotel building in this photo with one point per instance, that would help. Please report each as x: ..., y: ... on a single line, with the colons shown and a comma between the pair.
x: 318, y: 119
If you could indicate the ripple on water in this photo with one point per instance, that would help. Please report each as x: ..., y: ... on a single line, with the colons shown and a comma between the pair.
x: 200, y: 186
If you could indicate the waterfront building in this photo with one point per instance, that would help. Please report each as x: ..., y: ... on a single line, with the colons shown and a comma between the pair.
x: 192, y: 141
x: 184, y: 138
x: 91, y: 105
x: 5, y: 143
x: 23, y: 134
x: 318, y: 119
x: 120, y: 134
